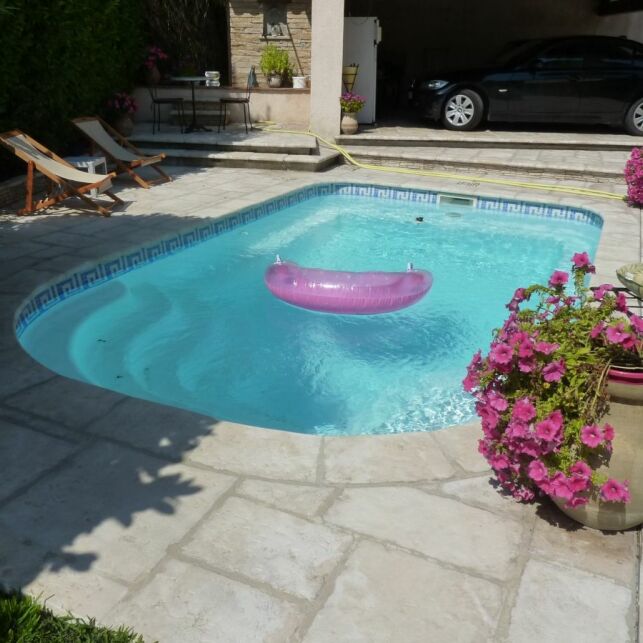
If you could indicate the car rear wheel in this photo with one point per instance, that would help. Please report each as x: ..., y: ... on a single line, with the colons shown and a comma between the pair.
x: 634, y: 118
x: 463, y: 110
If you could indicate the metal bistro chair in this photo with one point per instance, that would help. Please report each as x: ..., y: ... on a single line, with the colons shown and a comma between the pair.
x: 244, y: 101
x: 176, y: 101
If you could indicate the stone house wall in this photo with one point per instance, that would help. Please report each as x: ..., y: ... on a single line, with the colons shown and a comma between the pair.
x: 247, y: 39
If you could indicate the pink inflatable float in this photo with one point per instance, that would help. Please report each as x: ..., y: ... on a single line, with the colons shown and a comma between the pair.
x: 346, y: 293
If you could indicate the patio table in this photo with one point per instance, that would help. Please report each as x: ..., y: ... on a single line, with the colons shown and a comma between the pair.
x: 193, y: 80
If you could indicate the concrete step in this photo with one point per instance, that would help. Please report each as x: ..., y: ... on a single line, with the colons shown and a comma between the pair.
x: 598, y: 166
x: 232, y: 139
x: 427, y: 137
x: 245, y: 159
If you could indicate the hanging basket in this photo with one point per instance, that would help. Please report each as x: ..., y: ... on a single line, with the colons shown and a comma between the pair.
x: 349, y: 76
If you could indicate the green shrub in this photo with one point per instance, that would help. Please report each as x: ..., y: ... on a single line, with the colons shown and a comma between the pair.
x: 65, y: 58
x: 22, y: 620
x: 274, y: 61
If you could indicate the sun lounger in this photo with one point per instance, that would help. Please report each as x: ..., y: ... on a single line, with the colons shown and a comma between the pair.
x: 118, y: 149
x: 69, y: 180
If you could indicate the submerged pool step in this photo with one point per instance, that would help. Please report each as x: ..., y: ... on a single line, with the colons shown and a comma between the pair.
x: 595, y: 166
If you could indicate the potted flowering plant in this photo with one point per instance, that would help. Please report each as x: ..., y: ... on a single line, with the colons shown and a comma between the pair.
x: 122, y: 107
x: 560, y: 396
x: 350, y: 104
x: 155, y: 55
x: 275, y: 64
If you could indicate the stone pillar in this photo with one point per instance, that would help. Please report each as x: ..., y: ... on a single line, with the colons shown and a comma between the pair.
x: 326, y: 66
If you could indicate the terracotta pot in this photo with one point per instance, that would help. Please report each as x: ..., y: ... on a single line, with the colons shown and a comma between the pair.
x: 349, y: 124
x: 625, y: 387
x: 124, y: 125
x: 152, y: 75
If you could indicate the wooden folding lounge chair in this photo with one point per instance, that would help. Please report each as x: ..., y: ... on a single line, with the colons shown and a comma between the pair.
x: 64, y: 176
x: 118, y: 149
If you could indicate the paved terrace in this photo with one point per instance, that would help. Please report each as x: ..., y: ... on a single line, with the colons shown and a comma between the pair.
x: 189, y: 529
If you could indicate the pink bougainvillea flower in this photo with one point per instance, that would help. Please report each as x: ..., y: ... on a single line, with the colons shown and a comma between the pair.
x: 554, y: 372
x: 558, y: 278
x: 523, y: 410
x: 608, y: 432
x: 546, y: 348
x: 591, y: 436
x: 614, y: 491
x: 582, y: 260
x: 537, y: 471
x: 501, y: 354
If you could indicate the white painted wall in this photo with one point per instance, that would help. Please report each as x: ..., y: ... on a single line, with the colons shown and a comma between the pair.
x: 326, y: 66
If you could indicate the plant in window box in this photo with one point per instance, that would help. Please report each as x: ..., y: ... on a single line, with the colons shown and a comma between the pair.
x: 560, y: 396
x: 275, y: 64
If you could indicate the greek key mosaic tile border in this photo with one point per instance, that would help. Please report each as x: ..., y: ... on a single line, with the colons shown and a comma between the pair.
x: 84, y: 278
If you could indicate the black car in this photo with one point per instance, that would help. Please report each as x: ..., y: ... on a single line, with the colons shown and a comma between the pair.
x: 584, y: 79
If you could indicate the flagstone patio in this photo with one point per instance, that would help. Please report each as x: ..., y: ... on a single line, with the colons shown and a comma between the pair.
x: 191, y: 529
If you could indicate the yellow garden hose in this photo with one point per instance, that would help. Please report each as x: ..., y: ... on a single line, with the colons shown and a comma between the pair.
x: 548, y: 187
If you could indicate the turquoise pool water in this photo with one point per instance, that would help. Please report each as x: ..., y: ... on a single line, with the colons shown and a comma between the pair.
x: 199, y: 330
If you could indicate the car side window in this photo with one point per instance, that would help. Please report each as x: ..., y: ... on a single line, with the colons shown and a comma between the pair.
x: 610, y: 55
x: 561, y: 57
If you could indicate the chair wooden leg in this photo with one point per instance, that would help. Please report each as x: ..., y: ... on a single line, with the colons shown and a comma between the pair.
x: 161, y: 172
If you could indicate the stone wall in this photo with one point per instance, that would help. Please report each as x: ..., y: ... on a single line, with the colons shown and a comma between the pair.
x: 247, y: 40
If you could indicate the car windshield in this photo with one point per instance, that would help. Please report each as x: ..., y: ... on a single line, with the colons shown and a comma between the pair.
x: 515, y: 53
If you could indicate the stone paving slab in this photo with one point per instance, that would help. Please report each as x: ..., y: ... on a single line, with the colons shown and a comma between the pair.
x: 288, y: 553
x: 440, y: 528
x: 184, y: 603
x: 384, y: 595
x: 120, y: 507
x: 556, y: 602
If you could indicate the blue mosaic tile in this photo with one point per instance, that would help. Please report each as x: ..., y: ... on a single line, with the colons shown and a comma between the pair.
x: 112, y: 267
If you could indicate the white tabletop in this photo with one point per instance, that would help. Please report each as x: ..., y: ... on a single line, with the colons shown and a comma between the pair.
x: 85, y: 160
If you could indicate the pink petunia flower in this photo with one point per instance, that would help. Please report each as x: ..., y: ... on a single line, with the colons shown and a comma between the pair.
x: 597, y: 330
x: 523, y: 410
x: 582, y: 469
x: 554, y: 372
x: 548, y: 431
x: 499, y: 462
x: 602, y: 290
x: 608, y: 432
x: 616, y: 334
x: 558, y: 278
x: 537, y: 471
x: 582, y: 260
x: 621, y: 302
x: 614, y: 491
x: 497, y: 401
x: 577, y: 501
x: 546, y: 348
x: 591, y: 436
x: 559, y: 485
x: 501, y: 354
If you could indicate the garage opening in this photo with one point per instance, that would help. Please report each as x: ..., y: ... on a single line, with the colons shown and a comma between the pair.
x: 422, y: 37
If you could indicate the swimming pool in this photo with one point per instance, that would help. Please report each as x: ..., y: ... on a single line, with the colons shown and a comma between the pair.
x: 189, y: 322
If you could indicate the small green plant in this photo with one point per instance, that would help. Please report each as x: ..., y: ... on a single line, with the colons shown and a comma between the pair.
x: 275, y: 61
x: 23, y: 620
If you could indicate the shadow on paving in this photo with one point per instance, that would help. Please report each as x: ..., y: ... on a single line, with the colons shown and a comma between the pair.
x: 89, y: 479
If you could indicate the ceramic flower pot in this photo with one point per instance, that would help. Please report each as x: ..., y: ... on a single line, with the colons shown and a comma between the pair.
x: 625, y: 388
x: 124, y: 125
x: 275, y: 80
x: 349, y: 124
